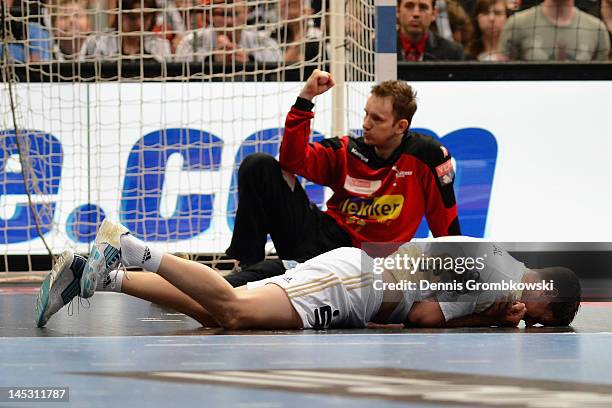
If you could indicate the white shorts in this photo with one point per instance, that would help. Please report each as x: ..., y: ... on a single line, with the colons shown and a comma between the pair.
x: 330, y: 290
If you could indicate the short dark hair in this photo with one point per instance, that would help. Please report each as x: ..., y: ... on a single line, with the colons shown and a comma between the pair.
x: 564, y: 306
x: 404, y: 98
x: 134, y: 4
x: 433, y: 3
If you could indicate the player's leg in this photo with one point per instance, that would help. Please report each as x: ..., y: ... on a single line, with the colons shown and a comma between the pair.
x: 267, y: 204
x: 152, y: 287
x: 267, y: 307
x: 62, y: 285
x: 271, y: 202
x: 259, y: 271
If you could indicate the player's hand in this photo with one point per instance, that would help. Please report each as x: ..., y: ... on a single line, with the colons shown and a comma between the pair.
x: 318, y: 83
x: 506, y: 312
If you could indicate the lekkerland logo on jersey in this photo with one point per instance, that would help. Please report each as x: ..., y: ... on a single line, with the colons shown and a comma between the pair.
x: 361, y: 186
x: 387, y: 207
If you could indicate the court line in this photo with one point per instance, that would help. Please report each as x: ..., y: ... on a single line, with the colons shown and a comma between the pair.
x: 222, y: 378
x: 484, y: 361
x: 314, y: 334
x: 280, y: 344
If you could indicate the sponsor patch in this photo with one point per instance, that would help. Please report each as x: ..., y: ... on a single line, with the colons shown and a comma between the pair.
x: 360, y: 186
x: 387, y: 207
x: 445, y: 172
x: 401, y: 173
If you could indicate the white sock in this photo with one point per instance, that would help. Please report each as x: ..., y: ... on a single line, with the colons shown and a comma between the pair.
x: 135, y: 252
x: 112, y: 282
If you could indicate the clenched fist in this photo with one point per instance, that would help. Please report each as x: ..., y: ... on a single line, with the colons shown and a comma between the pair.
x: 318, y: 83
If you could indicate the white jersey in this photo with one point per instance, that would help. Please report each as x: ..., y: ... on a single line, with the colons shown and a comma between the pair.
x: 331, y: 290
x: 337, y: 288
x: 497, y: 267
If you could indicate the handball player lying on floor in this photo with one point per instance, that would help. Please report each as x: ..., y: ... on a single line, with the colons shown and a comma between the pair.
x: 343, y: 288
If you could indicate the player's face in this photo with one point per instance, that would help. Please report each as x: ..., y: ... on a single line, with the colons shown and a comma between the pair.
x: 538, y: 311
x: 415, y: 16
x: 379, y: 125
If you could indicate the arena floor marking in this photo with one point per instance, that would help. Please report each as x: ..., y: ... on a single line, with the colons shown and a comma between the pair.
x: 125, y: 352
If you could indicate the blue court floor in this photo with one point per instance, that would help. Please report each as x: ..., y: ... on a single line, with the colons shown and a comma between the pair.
x: 123, y: 352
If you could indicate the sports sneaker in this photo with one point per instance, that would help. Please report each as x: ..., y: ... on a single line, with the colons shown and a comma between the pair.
x: 60, y: 286
x: 104, y: 256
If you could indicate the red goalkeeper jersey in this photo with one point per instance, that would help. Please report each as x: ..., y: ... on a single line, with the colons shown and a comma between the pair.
x: 375, y: 200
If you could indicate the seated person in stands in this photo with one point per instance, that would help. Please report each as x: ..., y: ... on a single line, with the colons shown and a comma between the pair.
x: 490, y: 18
x: 460, y: 23
x: 132, y: 35
x: 70, y: 27
x: 416, y: 42
x: 27, y: 41
x: 554, y: 31
x: 295, y: 31
x: 226, y: 39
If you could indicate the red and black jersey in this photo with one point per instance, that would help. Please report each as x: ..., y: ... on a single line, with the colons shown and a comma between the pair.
x: 375, y: 200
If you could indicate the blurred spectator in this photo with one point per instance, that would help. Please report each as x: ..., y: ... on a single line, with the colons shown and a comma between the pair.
x: 296, y: 33
x: 490, y: 18
x: 131, y: 35
x: 416, y: 42
x: 511, y: 5
x: 172, y: 20
x: 606, y: 16
x: 70, y: 27
x: 460, y: 24
x: 588, y: 6
x: 191, y: 12
x: 514, y: 5
x: 26, y: 41
x: 227, y: 39
x: 554, y: 30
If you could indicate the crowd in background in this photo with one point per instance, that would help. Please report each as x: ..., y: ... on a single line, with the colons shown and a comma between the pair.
x: 295, y: 31
x: 504, y: 30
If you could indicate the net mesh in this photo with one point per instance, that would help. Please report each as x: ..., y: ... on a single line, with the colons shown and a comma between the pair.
x: 142, y: 111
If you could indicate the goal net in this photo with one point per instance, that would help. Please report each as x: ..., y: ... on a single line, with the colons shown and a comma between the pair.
x: 143, y: 110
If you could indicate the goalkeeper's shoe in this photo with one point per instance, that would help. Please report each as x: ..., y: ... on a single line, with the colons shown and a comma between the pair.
x: 104, y: 256
x: 60, y: 286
